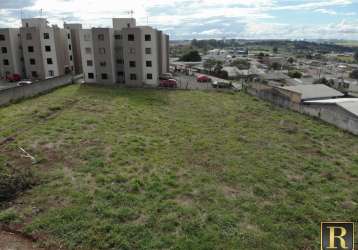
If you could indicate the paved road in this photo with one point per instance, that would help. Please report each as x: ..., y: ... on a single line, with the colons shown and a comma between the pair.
x: 189, y: 82
x: 6, y: 84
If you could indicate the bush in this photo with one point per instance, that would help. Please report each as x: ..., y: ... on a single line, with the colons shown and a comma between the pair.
x: 8, y: 216
x: 295, y: 74
x: 14, y: 180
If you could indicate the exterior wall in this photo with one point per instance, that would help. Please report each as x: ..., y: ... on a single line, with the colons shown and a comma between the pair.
x: 64, y: 53
x: 13, y: 55
x: 54, y: 67
x: 332, y: 114
x: 122, y: 23
x: 107, y: 57
x: 129, y: 56
x: 86, y: 41
x: 119, y: 57
x: 35, y: 42
x: 153, y: 57
x: 76, y: 49
x: 34, y: 22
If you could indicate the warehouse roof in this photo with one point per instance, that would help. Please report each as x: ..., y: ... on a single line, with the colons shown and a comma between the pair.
x: 314, y: 91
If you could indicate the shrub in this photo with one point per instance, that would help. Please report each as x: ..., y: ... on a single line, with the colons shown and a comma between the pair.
x: 295, y: 74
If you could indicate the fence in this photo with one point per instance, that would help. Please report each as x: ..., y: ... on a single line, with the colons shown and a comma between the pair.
x: 20, y: 92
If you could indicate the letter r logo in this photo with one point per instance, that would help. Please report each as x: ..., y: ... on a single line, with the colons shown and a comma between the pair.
x: 337, y: 236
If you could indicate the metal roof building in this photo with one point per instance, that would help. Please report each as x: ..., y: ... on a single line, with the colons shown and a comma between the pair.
x: 314, y: 91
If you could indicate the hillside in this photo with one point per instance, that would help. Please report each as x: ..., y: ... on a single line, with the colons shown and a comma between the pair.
x: 147, y: 169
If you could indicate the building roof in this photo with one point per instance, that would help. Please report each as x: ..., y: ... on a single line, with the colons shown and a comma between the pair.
x: 349, y: 104
x: 314, y: 91
x: 351, y: 107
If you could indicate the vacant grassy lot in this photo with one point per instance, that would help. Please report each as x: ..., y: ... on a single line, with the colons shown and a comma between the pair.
x: 146, y: 169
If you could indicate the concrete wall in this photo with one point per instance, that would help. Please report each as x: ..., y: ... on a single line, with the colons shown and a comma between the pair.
x: 17, y: 93
x: 330, y: 113
x: 86, y: 44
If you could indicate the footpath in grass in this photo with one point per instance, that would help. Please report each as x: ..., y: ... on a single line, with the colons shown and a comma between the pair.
x: 147, y: 169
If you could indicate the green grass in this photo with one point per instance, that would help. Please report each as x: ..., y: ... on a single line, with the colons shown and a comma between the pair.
x: 148, y: 169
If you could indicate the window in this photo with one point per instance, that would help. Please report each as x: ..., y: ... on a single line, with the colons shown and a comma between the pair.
x: 70, y: 47
x: 117, y: 37
x: 120, y: 61
x: 51, y: 73
x: 46, y: 36
x: 132, y: 51
x: 149, y: 76
x: 71, y: 58
x: 28, y: 36
x: 120, y: 73
x: 47, y: 48
x: 87, y: 37
x: 89, y: 63
x: 90, y: 75
x: 68, y: 36
x: 104, y: 76
x: 132, y: 64
x: 148, y: 63
x: 6, y: 62
x: 30, y: 49
x: 88, y: 51
x: 34, y: 74
x: 133, y: 76
x: 2, y: 37
x: 148, y: 51
x: 27, y: 25
x: 103, y: 64
x: 131, y: 37
x: 32, y: 61
x: 148, y: 38
x: 3, y: 50
x: 49, y: 61
x: 102, y: 51
x: 101, y: 37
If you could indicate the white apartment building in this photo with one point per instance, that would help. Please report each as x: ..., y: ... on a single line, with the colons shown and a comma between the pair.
x: 11, y: 60
x: 129, y: 54
x: 47, y: 51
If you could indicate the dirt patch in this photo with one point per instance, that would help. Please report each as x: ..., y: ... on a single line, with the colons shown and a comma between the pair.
x: 12, y: 241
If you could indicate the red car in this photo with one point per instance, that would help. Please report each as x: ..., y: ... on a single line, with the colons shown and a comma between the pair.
x: 203, y: 78
x: 170, y: 83
x: 13, y: 78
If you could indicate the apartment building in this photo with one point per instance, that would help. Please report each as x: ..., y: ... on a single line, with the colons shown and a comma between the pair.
x: 47, y: 51
x: 11, y: 61
x: 125, y: 54
x: 75, y: 29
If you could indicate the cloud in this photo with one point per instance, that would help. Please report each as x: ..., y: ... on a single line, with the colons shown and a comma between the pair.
x: 186, y: 19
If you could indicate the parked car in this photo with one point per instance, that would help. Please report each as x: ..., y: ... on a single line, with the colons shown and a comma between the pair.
x: 170, y: 83
x: 24, y: 83
x: 221, y: 84
x: 166, y: 76
x: 203, y: 78
x: 13, y: 78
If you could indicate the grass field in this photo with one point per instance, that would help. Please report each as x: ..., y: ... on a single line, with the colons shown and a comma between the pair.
x: 147, y: 169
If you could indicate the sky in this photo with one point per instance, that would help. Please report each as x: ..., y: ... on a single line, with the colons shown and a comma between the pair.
x: 202, y: 19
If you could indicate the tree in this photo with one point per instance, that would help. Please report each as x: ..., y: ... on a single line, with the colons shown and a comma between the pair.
x: 290, y: 60
x: 322, y: 80
x: 354, y: 74
x: 356, y: 56
x: 241, y: 64
x: 218, y: 67
x: 275, y: 50
x: 209, y: 64
x: 275, y: 66
x: 191, y: 56
x: 295, y: 74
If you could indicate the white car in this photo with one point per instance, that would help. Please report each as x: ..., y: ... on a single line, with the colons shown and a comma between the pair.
x: 23, y: 83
